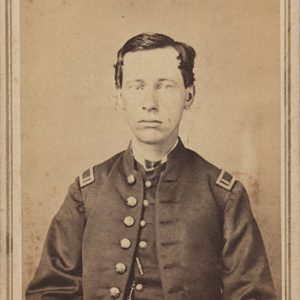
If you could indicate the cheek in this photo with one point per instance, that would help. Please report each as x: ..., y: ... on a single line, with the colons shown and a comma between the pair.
x: 175, y: 114
x: 172, y: 116
x: 172, y: 109
x: 128, y: 104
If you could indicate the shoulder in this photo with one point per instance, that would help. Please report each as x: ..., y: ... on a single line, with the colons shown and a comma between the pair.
x: 98, y: 172
x: 222, y: 183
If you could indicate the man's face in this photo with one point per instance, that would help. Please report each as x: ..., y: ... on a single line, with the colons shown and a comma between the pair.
x: 153, y: 94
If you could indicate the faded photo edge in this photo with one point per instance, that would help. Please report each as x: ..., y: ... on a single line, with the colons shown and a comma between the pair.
x: 10, y: 187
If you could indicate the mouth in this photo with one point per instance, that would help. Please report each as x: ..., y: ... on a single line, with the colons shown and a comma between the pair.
x: 149, y: 123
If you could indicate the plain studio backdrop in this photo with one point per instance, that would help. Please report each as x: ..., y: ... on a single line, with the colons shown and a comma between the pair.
x: 69, y: 116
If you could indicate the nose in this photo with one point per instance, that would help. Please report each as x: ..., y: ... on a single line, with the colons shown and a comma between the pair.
x: 149, y: 101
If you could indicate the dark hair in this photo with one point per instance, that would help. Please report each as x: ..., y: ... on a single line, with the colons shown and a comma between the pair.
x: 147, y: 41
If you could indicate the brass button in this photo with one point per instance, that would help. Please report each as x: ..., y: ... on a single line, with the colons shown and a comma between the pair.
x: 143, y: 223
x: 114, y: 292
x: 148, y: 184
x: 131, y: 179
x: 143, y: 244
x: 139, y: 287
x: 146, y: 203
x: 129, y: 221
x: 121, y: 268
x: 125, y: 243
x: 131, y: 201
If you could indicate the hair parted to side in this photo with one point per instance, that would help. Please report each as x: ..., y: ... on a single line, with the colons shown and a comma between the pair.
x: 147, y: 41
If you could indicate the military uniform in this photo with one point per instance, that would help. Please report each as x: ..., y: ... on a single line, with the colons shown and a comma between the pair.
x: 194, y: 237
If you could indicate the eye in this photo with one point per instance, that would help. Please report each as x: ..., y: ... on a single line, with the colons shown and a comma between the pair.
x: 134, y: 85
x: 165, y: 85
x: 139, y: 87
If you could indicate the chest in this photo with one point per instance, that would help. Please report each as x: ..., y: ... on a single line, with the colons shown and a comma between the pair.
x: 184, y: 206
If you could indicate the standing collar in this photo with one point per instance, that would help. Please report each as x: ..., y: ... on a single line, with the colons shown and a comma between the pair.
x: 175, y: 155
x: 141, y: 159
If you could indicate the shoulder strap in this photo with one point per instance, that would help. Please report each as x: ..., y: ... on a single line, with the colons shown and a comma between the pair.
x: 225, y: 180
x: 87, y: 177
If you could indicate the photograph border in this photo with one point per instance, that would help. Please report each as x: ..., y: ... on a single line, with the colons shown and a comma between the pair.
x: 290, y: 149
x: 10, y: 151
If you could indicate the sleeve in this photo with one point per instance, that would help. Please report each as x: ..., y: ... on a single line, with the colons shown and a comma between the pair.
x: 246, y: 273
x: 58, y: 276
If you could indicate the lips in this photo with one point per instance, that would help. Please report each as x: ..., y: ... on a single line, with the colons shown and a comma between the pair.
x: 149, y: 123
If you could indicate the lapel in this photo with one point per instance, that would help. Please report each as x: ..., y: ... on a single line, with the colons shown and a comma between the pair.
x: 175, y: 157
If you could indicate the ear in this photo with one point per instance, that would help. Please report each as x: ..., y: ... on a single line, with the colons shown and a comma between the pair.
x: 190, y: 93
x: 119, y: 103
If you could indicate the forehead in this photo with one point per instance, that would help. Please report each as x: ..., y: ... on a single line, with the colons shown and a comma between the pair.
x: 154, y: 63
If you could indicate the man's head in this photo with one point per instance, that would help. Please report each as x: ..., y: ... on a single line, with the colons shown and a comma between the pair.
x: 154, y: 77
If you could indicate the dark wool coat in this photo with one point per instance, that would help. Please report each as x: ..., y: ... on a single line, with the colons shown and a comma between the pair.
x: 208, y: 244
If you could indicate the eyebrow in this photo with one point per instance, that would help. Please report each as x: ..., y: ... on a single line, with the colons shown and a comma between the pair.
x: 136, y: 80
x: 166, y: 79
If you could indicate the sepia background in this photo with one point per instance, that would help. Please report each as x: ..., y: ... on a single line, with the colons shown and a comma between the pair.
x: 69, y: 116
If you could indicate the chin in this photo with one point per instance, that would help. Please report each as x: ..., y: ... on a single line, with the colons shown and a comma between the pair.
x: 150, y: 139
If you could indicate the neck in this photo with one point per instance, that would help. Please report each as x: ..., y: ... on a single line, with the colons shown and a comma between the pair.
x: 153, y: 152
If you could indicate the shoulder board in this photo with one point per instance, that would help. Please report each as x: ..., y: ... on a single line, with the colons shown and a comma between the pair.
x: 87, y: 177
x: 225, y: 180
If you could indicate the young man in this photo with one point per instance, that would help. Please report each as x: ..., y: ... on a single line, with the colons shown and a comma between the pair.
x: 156, y: 221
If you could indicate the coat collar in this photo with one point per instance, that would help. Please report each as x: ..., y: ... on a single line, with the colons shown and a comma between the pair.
x: 174, y: 160
x: 140, y: 158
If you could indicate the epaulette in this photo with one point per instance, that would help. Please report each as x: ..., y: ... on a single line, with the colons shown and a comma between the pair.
x: 87, y: 177
x: 225, y: 180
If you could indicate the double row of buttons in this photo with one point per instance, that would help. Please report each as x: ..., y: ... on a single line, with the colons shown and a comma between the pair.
x: 125, y: 243
x: 130, y: 221
x: 142, y: 245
